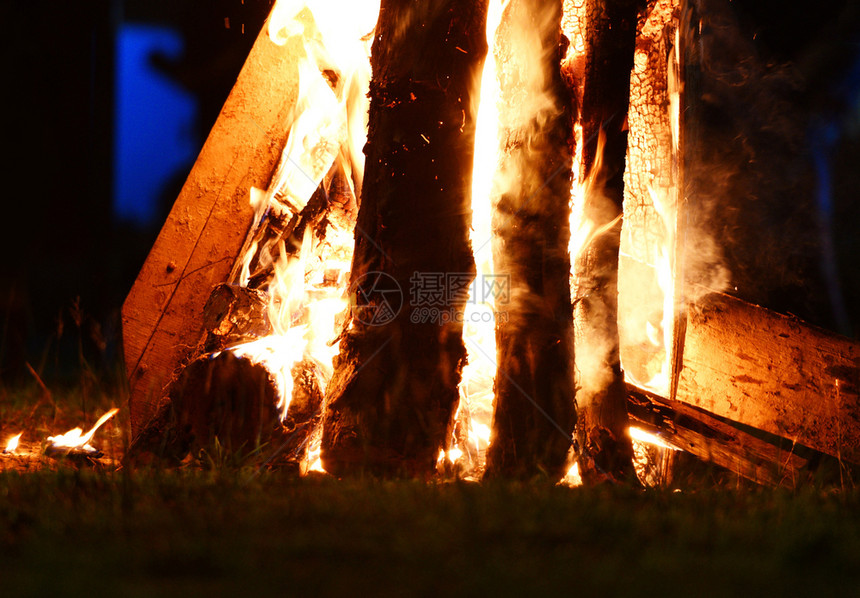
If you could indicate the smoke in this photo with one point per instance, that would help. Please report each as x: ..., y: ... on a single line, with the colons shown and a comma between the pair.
x: 749, y: 176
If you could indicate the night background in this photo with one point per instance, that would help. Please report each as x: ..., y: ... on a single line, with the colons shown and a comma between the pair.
x: 107, y: 103
x: 105, y: 107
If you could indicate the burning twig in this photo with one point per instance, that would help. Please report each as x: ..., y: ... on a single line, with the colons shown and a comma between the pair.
x: 74, y: 442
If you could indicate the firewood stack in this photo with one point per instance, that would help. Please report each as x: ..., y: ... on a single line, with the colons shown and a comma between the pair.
x: 764, y: 395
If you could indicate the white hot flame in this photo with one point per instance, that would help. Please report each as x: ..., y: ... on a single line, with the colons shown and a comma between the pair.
x: 640, y: 435
x: 75, y: 439
x: 475, y: 409
x: 12, y: 444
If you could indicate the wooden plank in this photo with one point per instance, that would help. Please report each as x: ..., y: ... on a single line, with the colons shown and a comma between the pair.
x: 715, y: 441
x: 197, y: 246
x: 773, y: 372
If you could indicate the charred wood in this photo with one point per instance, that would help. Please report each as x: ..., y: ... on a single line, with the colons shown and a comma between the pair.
x: 234, y: 315
x: 605, y: 450
x: 281, y: 230
x: 391, y: 400
x: 304, y: 412
x: 533, y: 414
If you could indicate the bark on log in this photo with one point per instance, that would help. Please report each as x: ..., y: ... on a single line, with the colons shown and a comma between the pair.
x: 604, y: 446
x: 773, y: 372
x: 533, y: 414
x: 390, y: 402
x: 163, y: 314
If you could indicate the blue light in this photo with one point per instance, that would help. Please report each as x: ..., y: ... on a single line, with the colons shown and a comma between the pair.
x: 154, y: 138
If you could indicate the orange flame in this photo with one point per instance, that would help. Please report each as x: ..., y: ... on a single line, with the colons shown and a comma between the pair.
x: 74, y: 439
x: 307, y: 292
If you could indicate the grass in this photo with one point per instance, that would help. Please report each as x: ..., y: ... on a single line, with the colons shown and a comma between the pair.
x: 171, y: 532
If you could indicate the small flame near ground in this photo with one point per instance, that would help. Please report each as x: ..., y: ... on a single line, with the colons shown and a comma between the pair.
x: 12, y: 444
x: 75, y: 439
x: 572, y: 477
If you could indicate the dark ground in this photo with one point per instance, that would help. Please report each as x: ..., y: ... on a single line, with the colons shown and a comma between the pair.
x: 224, y: 532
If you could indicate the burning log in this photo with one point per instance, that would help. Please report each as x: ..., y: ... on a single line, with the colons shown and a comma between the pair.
x: 233, y: 315
x: 604, y: 446
x: 390, y: 401
x: 234, y: 401
x: 650, y: 274
x: 283, y: 227
x: 163, y: 315
x: 226, y: 397
x: 533, y: 414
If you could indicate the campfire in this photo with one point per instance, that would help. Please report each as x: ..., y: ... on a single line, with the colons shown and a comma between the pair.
x: 468, y: 239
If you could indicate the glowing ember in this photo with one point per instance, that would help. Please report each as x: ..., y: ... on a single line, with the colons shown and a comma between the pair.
x: 572, y: 477
x: 12, y: 444
x: 75, y: 440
